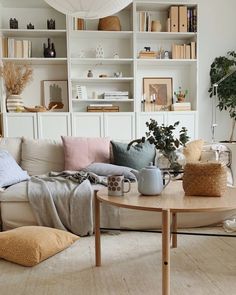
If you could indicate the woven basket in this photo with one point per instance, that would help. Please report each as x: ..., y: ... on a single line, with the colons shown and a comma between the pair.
x: 109, y: 23
x: 204, y: 179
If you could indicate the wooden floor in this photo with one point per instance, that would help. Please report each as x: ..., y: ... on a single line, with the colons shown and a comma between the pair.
x: 131, y: 264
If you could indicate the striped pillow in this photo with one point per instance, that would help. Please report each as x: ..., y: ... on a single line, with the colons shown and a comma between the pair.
x: 10, y: 171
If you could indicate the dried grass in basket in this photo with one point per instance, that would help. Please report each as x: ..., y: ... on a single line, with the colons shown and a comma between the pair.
x: 204, y: 179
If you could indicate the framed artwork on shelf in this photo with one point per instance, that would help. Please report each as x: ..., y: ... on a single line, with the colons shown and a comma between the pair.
x: 157, y: 93
x: 56, y: 95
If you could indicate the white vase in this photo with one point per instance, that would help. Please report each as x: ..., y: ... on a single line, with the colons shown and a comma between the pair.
x: 14, y: 103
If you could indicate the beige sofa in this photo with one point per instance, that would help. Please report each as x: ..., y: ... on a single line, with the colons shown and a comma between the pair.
x: 41, y: 156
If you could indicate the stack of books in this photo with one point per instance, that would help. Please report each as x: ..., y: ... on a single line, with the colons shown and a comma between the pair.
x: 116, y: 95
x: 147, y: 54
x: 14, y: 48
x: 181, y: 106
x: 184, y: 51
x: 102, y: 108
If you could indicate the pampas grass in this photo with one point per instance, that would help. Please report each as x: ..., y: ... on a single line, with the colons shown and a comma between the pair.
x: 16, y: 77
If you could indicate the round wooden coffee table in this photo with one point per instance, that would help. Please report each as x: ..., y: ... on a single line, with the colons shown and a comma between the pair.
x: 171, y: 201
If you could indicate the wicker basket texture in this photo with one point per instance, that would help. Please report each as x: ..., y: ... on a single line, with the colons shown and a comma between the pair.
x: 204, y: 179
x: 109, y: 23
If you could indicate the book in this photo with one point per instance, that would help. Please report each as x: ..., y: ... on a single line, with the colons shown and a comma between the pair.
x: 25, y: 49
x: 142, y: 21
x: 174, y: 18
x: 193, y: 50
x: 11, y: 47
x: 18, y: 49
x: 181, y: 106
x: 80, y: 24
x: 182, y: 18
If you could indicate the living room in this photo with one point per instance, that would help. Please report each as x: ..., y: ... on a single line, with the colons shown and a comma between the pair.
x: 73, y: 88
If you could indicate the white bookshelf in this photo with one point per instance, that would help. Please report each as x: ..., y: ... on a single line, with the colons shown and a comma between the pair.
x: 76, y: 54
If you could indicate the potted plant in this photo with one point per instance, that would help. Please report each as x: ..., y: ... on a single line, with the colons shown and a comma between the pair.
x: 165, y: 142
x: 15, y: 77
x: 223, y: 70
x: 222, y: 66
x: 180, y: 94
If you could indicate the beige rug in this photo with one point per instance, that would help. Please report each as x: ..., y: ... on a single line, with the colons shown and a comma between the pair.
x: 131, y: 264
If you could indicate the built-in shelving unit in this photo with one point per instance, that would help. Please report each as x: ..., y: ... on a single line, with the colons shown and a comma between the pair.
x: 120, y: 65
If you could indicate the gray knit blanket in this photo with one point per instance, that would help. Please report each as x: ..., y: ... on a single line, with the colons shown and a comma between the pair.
x: 65, y: 201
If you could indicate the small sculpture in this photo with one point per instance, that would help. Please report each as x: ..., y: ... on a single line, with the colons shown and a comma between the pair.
x: 51, y: 24
x: 30, y: 26
x: 50, y: 50
x: 90, y: 74
x: 13, y: 23
x: 147, y: 48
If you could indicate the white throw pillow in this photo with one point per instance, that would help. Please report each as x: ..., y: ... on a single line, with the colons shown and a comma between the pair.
x: 10, y: 171
x: 40, y: 156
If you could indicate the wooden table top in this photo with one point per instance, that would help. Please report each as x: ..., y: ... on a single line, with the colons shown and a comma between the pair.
x: 172, y: 198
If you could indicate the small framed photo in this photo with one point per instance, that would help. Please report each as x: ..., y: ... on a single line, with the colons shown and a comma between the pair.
x: 56, y: 95
x: 157, y: 93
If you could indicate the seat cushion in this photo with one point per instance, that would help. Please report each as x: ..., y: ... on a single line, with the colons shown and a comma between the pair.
x: 29, y: 245
x: 192, y: 150
x: 40, y: 156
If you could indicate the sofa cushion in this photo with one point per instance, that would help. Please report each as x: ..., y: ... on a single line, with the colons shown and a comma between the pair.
x: 137, y: 157
x: 16, y: 192
x: 82, y: 151
x: 13, y: 146
x: 10, y: 171
x: 30, y: 245
x: 192, y: 150
x: 40, y: 156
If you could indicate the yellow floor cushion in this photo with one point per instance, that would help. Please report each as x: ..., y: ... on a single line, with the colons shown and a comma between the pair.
x: 29, y: 245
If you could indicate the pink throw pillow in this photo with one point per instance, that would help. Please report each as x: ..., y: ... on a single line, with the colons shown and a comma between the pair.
x: 82, y: 151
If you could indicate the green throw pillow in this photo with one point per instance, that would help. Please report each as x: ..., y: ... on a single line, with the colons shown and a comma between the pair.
x: 137, y: 157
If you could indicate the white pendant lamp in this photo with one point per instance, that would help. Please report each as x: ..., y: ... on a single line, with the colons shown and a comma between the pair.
x: 89, y: 9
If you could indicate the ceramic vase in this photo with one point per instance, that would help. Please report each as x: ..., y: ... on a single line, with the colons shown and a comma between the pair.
x: 156, y: 26
x: 14, y: 103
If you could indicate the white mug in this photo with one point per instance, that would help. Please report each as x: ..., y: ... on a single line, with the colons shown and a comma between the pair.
x: 115, y: 185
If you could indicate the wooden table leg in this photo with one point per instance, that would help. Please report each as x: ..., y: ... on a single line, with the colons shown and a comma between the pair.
x: 97, y: 232
x: 165, y: 252
x: 174, y: 229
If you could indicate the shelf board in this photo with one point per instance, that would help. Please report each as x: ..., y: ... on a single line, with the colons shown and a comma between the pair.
x: 32, y: 33
x: 105, y: 61
x: 86, y: 34
x: 165, y: 35
x: 102, y: 100
x: 165, y: 62
x: 103, y: 80
x: 37, y: 60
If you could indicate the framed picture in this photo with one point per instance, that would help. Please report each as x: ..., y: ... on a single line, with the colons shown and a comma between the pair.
x: 56, y: 95
x: 157, y: 93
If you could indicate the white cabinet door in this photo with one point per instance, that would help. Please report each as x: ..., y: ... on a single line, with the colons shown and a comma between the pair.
x: 120, y: 126
x: 142, y: 118
x: 22, y: 124
x: 87, y: 125
x: 54, y: 125
x: 186, y: 119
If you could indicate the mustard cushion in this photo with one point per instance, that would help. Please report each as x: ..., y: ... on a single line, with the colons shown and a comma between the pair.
x: 192, y: 150
x: 29, y: 245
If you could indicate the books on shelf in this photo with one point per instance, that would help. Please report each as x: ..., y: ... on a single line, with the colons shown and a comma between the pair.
x: 144, y: 21
x: 15, y: 48
x: 184, y: 51
x: 79, y: 24
x: 116, y: 95
x: 102, y: 108
x: 182, y: 19
x: 147, y: 54
x: 181, y: 106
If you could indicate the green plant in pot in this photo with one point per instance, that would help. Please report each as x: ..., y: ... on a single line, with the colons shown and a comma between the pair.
x: 223, y: 74
x: 165, y: 142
